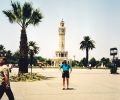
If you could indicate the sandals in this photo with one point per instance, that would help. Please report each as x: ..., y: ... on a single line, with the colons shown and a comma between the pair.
x: 66, y: 88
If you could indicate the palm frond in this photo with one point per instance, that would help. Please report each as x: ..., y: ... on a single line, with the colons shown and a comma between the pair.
x: 27, y: 10
x: 82, y: 45
x: 17, y: 9
x: 10, y: 16
x: 31, y: 43
x: 87, y: 43
x: 86, y: 38
x: 36, y: 17
x: 91, y: 44
x: 35, y: 49
x: 23, y: 15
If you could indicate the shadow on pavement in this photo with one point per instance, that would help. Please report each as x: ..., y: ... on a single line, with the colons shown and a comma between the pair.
x: 70, y: 89
x: 50, y: 77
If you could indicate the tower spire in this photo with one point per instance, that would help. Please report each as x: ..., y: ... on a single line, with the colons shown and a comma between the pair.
x: 61, y: 36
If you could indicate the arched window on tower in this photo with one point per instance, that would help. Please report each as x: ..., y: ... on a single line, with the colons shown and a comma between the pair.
x: 65, y: 54
x: 59, y: 54
x: 62, y: 54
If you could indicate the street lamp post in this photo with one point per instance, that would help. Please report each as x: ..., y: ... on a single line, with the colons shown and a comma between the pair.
x: 113, y: 52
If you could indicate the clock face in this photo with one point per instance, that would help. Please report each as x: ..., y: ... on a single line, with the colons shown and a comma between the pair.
x: 62, y: 30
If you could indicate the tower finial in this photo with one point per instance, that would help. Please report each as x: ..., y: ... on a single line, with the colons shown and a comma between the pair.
x: 62, y: 23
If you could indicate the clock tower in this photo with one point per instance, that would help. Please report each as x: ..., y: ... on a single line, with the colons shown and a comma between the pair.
x: 61, y: 54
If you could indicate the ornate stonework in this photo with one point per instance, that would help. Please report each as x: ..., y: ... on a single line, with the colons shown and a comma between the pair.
x: 61, y: 54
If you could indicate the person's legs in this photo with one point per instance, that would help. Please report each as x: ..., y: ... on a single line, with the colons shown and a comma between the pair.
x: 1, y: 91
x: 67, y: 79
x: 63, y: 83
x: 9, y: 93
x: 63, y: 77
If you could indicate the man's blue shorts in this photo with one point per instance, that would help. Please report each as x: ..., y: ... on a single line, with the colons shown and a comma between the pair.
x: 65, y: 74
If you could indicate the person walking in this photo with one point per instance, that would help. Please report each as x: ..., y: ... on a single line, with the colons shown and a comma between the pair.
x: 4, y: 80
x: 65, y: 69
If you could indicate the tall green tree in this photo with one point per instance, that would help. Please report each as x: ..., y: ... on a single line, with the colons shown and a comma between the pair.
x: 87, y: 44
x: 24, y: 15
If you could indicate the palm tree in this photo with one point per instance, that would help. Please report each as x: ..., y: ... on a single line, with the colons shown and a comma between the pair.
x: 33, y: 49
x: 34, y: 46
x: 23, y: 15
x: 87, y: 44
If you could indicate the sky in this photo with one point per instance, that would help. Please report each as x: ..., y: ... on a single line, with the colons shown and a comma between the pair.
x: 98, y: 19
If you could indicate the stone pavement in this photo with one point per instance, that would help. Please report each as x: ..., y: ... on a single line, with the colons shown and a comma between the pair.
x: 85, y: 84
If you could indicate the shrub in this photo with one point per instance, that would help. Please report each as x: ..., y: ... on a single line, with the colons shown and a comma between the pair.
x: 26, y: 77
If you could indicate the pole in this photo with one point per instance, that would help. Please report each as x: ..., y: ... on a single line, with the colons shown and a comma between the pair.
x: 31, y: 62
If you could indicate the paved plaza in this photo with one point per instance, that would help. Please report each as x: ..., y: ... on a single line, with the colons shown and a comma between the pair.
x: 85, y: 84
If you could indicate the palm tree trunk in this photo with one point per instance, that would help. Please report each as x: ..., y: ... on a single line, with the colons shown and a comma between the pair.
x: 23, y: 60
x: 87, y: 56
